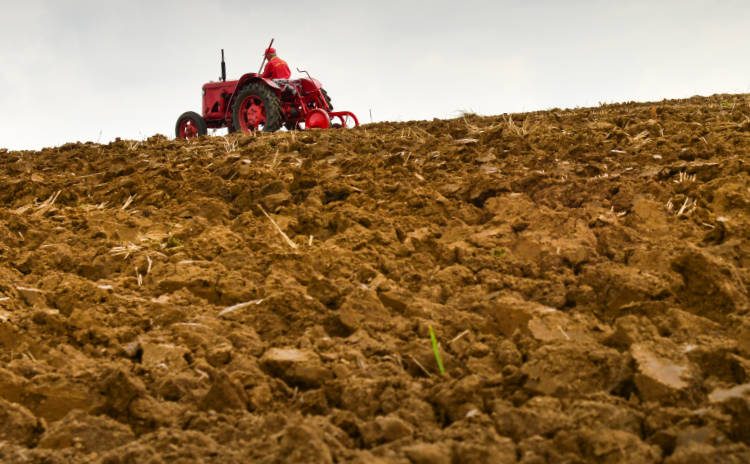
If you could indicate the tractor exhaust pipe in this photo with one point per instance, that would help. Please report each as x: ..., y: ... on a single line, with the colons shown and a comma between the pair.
x: 223, y: 67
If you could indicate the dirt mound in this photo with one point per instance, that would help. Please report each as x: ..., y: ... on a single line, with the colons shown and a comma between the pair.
x: 268, y: 298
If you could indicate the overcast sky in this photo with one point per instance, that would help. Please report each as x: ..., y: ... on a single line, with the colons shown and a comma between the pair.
x: 78, y: 70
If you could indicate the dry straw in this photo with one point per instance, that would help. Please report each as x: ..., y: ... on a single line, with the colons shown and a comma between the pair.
x: 278, y: 229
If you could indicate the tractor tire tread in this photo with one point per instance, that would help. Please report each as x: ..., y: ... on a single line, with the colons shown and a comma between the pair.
x: 274, y: 116
x: 328, y: 98
x: 199, y: 121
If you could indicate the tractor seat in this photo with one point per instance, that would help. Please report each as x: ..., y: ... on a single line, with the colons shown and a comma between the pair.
x: 286, y: 86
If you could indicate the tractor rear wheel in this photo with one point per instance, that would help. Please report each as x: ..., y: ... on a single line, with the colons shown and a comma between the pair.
x: 328, y: 99
x: 257, y: 108
x: 190, y: 124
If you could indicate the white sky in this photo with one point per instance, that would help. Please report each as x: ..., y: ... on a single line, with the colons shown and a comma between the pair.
x: 79, y: 70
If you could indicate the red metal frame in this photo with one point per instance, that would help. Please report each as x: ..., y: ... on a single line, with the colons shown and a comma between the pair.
x: 301, y: 100
x: 343, y: 117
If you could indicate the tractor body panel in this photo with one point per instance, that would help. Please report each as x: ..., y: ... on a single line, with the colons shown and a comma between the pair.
x: 216, y: 96
x: 249, y: 77
x: 309, y: 84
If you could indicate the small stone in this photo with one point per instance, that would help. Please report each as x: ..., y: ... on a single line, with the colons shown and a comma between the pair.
x: 132, y: 349
x: 541, y: 322
x: 175, y: 387
x: 649, y: 215
x: 119, y: 388
x: 273, y: 201
x: 662, y: 373
x: 573, y: 368
x: 300, y: 368
x: 507, y: 354
x: 86, y: 432
x: 519, y: 225
x: 602, y: 125
x: 324, y: 291
x: 219, y: 355
x: 540, y: 416
x: 428, y: 453
x: 260, y: 397
x: 224, y: 394
x: 743, y: 340
x: 630, y: 329
x: 385, y: 429
x: 458, y: 398
x: 164, y: 355
x: 350, y: 319
x: 723, y: 394
x: 504, y: 451
x: 396, y: 300
x: 712, y: 287
x: 479, y: 350
x: 18, y: 424
x: 703, y: 453
x: 33, y: 296
x: 303, y: 443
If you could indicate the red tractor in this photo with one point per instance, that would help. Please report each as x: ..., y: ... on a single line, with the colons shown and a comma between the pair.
x: 253, y: 103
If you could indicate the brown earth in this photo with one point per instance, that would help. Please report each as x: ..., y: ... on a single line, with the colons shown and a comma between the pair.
x: 586, y: 273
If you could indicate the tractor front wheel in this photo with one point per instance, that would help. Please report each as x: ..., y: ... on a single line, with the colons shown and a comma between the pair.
x: 257, y: 108
x: 190, y: 124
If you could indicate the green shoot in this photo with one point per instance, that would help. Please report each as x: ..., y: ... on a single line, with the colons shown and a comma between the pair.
x: 436, y: 351
x: 173, y: 241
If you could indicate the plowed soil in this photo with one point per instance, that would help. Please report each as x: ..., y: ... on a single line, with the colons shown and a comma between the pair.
x: 269, y: 298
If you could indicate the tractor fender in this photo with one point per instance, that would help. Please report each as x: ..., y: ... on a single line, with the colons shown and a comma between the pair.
x: 252, y: 77
x: 246, y: 79
x: 310, y: 84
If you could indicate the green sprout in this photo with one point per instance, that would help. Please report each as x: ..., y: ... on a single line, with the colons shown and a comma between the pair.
x: 436, y: 351
x: 173, y: 241
x: 726, y: 104
x: 498, y: 253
